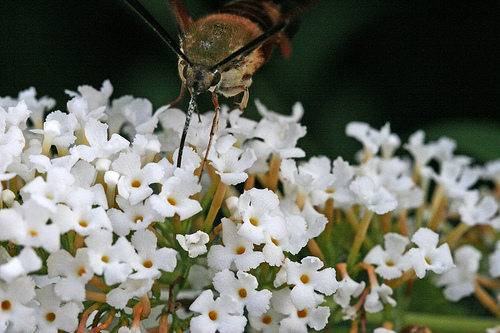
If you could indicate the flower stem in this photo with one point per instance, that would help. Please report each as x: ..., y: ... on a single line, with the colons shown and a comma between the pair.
x: 408, y: 275
x: 385, y: 220
x: 85, y: 315
x: 359, y: 237
x: 454, y: 236
x: 106, y: 324
x: 164, y: 324
x: 99, y: 284
x: 488, y: 283
x: 146, y: 310
x: 437, y: 208
x: 250, y: 182
x: 214, y: 208
x: 95, y: 296
x: 176, y: 220
x: 351, y: 218
x: 485, y: 298
x: 78, y: 242
x: 274, y: 173
x: 403, y: 223
x: 312, y: 245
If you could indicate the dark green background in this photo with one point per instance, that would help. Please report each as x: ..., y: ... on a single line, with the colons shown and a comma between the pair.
x: 416, y: 64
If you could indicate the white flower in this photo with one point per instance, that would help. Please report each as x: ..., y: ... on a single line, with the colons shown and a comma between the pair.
x: 347, y: 288
x: 37, y: 106
x: 52, y: 314
x: 231, y: 162
x: 280, y: 132
x: 132, y: 217
x: 95, y: 98
x: 491, y: 171
x: 373, y: 139
x: 267, y: 322
x: 74, y: 272
x: 383, y: 330
x: 259, y: 211
x: 388, y: 261
x: 195, y: 243
x: 459, y: 280
x: 378, y: 200
x: 236, y: 249
x: 127, y: 290
x: 216, y: 315
x: 31, y: 227
x: 378, y: 296
x: 60, y: 128
x: 337, y: 177
x: 422, y: 153
x: 15, y: 315
x: 307, y: 279
x: 456, y: 178
x: 110, y: 259
x: 172, y: 121
x: 494, y: 262
x: 146, y: 146
x: 81, y: 217
x: 174, y: 196
x: 297, y: 227
x: 18, y: 115
x: 475, y: 211
x: 135, y: 180
x: 242, y: 288
x: 199, y: 131
x: 150, y: 260
x: 139, y: 112
x: 495, y: 329
x: 428, y: 256
x: 96, y: 134
x: 242, y: 128
x: 49, y: 193
x: 298, y: 320
x: 25, y: 262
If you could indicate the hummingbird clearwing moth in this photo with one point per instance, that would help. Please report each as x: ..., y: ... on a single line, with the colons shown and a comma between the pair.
x: 220, y: 52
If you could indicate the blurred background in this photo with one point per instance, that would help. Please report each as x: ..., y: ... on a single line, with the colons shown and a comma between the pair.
x: 415, y: 64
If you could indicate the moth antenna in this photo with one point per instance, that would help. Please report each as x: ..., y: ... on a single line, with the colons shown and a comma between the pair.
x: 151, y: 21
x: 255, y: 43
x: 191, y: 107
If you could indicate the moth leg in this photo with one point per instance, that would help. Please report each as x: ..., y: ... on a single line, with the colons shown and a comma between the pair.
x: 244, y: 100
x: 213, y: 130
x: 233, y: 91
x: 181, y: 96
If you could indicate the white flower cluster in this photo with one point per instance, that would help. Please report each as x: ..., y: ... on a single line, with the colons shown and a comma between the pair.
x: 96, y: 220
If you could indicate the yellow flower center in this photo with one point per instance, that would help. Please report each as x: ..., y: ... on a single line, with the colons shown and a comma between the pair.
x: 242, y: 293
x: 212, y: 315
x: 302, y: 313
x: 50, y: 317
x: 6, y: 305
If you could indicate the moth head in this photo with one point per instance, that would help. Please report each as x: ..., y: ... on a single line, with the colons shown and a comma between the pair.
x: 199, y: 78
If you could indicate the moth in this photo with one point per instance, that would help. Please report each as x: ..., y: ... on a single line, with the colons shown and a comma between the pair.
x: 220, y: 52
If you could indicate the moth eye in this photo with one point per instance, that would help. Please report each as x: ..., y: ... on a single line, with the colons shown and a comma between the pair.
x: 216, y: 79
